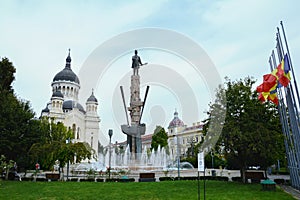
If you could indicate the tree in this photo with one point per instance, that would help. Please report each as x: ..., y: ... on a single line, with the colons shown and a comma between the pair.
x: 16, y: 119
x: 7, y: 71
x: 53, y: 146
x: 251, y: 135
x: 159, y: 138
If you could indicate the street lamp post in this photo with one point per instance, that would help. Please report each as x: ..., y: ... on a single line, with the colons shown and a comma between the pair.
x: 178, y: 155
x: 68, y: 164
x: 110, y: 133
x: 212, y: 158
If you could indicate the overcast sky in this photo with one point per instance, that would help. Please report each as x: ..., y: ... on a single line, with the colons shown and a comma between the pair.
x: 237, y: 36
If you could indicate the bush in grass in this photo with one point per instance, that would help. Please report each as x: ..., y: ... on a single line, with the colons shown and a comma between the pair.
x: 112, y: 180
x: 166, y: 179
x: 217, y: 178
x: 237, y: 179
x: 190, y: 178
x: 41, y: 179
x: 27, y: 179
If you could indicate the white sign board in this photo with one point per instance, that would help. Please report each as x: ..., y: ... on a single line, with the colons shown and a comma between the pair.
x: 201, y: 162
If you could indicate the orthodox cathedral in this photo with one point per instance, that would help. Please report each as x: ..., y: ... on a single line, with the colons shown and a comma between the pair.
x: 64, y: 107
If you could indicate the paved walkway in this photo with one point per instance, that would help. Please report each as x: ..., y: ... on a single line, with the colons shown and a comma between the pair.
x: 292, y: 191
x: 288, y: 189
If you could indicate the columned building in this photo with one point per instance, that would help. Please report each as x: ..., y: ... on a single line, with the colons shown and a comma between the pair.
x: 64, y: 107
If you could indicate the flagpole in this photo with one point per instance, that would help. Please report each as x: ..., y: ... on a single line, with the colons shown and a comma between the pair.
x: 280, y: 51
x: 290, y: 62
x: 293, y: 117
x: 294, y: 99
x: 285, y: 125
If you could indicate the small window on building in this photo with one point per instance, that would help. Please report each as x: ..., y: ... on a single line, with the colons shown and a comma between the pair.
x: 78, y: 132
x: 74, y: 129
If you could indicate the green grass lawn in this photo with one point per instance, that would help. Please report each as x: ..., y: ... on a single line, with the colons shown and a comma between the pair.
x: 152, y: 190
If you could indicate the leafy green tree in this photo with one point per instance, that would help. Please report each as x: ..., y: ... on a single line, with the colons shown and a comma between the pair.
x: 7, y: 71
x: 159, y: 138
x: 53, y: 146
x: 16, y: 119
x: 251, y: 135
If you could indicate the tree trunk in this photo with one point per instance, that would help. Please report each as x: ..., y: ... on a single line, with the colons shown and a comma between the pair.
x: 243, y: 174
x: 61, y: 173
x: 6, y: 174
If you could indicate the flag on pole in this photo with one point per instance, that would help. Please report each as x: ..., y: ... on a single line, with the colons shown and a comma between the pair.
x: 283, y: 72
x: 269, y: 83
x: 279, y: 77
x: 271, y: 96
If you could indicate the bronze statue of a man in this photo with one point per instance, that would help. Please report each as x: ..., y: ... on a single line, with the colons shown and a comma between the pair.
x: 136, y: 63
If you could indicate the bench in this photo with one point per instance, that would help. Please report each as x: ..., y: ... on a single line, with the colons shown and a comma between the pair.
x: 255, y: 176
x: 52, y: 176
x: 147, y: 177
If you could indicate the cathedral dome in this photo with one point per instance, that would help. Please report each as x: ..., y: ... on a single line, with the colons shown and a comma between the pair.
x: 69, y: 105
x: 176, y: 122
x: 67, y: 74
x: 92, y: 98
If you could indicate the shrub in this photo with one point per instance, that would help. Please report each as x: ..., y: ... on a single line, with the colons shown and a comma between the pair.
x: 237, y: 179
x: 166, y: 179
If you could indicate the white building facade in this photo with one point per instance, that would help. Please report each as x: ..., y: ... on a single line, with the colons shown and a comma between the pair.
x: 64, y: 107
x: 181, y: 137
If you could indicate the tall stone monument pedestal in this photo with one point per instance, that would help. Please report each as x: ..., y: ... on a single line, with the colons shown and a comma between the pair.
x: 135, y: 130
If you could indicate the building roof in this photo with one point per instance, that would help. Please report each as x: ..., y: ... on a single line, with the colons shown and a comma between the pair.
x: 92, y: 98
x: 67, y: 74
x: 69, y: 105
x: 146, y: 137
x: 176, y: 122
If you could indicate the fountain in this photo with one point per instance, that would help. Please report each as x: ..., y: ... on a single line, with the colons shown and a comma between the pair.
x: 133, y: 158
x: 148, y: 161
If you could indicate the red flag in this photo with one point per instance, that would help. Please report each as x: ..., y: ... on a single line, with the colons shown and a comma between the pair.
x: 270, y: 81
